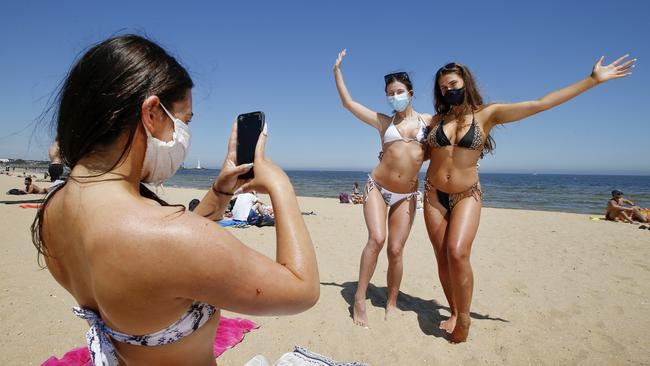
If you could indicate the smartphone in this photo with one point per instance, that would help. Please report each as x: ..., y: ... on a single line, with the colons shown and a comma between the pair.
x: 249, y: 127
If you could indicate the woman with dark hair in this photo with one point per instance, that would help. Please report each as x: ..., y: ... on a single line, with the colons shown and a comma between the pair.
x: 459, y: 137
x: 145, y: 273
x: 392, y: 185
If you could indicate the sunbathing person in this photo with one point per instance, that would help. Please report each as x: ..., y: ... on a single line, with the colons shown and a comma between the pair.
x: 152, y: 279
x: 356, y: 197
x: 31, y: 188
x: 621, y: 209
x: 242, y: 210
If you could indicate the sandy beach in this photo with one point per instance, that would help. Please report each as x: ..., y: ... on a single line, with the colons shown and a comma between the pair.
x: 550, y: 289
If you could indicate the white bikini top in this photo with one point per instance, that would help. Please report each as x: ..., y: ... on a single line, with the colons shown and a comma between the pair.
x: 392, y: 133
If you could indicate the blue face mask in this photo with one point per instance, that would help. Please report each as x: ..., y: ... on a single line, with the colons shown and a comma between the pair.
x: 398, y: 102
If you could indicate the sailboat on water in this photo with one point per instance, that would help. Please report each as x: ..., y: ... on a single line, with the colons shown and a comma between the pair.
x: 198, y: 165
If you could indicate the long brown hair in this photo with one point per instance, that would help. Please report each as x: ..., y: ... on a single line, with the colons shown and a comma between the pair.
x: 101, y: 98
x: 472, y: 101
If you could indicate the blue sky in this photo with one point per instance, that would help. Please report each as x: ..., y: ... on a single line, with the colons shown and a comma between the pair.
x: 278, y: 57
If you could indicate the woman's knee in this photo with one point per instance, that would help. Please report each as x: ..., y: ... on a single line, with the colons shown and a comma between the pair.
x: 458, y: 254
x: 376, y: 241
x: 395, y: 252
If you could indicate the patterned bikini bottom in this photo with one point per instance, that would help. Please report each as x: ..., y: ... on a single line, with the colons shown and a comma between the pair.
x: 390, y: 198
x: 449, y: 200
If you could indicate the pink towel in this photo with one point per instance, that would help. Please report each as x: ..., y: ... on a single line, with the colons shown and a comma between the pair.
x: 229, y: 333
x: 29, y: 206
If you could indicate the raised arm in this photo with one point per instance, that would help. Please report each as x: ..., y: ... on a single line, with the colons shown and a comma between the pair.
x: 206, y: 263
x: 504, y: 113
x: 360, y: 111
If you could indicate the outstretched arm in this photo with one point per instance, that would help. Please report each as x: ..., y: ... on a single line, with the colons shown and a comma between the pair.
x: 504, y: 113
x: 359, y: 110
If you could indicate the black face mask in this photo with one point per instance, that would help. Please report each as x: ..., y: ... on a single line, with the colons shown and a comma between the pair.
x: 454, y: 96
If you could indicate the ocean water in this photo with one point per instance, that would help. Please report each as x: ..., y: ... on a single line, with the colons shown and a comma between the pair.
x: 548, y: 192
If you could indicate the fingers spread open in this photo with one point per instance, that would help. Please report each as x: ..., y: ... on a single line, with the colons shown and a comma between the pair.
x: 619, y: 59
x: 627, y: 64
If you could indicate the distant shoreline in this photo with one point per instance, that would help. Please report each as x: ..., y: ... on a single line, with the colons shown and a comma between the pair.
x: 570, y: 193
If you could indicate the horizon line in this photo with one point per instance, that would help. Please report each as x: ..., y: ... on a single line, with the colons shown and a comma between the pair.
x: 363, y: 170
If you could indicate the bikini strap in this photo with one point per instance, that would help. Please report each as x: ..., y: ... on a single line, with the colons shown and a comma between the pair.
x: 102, y: 352
x: 422, y: 120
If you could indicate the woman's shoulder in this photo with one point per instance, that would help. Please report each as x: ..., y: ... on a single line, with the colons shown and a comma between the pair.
x: 431, y: 120
x: 157, y: 239
x: 384, y: 121
x: 486, y: 108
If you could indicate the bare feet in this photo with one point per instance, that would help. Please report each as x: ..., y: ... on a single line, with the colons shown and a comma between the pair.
x: 449, y: 324
x: 359, y: 316
x: 390, y: 308
x: 461, y: 331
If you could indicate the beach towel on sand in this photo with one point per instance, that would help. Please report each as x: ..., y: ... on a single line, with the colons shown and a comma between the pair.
x: 235, y: 223
x: 596, y: 218
x: 302, y: 357
x: 29, y: 206
x: 229, y: 333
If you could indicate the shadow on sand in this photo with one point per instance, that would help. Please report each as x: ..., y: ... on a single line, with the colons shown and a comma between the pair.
x: 428, y: 311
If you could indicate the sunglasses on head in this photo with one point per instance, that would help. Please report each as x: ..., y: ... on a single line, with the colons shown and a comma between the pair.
x: 396, y: 75
x: 452, y: 66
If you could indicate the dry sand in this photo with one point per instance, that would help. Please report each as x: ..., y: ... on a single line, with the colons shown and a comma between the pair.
x: 550, y: 289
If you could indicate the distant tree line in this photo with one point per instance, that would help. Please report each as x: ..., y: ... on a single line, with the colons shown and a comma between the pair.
x: 21, y: 163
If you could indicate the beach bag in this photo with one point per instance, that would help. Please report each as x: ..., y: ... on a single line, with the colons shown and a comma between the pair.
x: 344, y: 198
x: 193, y: 203
x: 262, y: 220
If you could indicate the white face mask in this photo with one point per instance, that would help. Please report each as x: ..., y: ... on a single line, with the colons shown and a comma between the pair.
x: 399, y: 102
x: 162, y: 159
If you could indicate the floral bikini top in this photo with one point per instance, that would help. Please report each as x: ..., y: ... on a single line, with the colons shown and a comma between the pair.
x: 102, y: 351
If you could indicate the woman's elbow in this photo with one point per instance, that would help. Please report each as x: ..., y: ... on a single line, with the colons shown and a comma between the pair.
x: 308, y: 297
x: 313, y: 296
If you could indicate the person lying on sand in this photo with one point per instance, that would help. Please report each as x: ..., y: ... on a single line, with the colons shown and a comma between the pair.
x: 31, y: 188
x: 621, y: 209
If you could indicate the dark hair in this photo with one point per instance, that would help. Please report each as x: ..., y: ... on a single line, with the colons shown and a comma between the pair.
x: 472, y: 101
x: 402, y: 77
x: 101, y: 99
x: 28, y: 178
